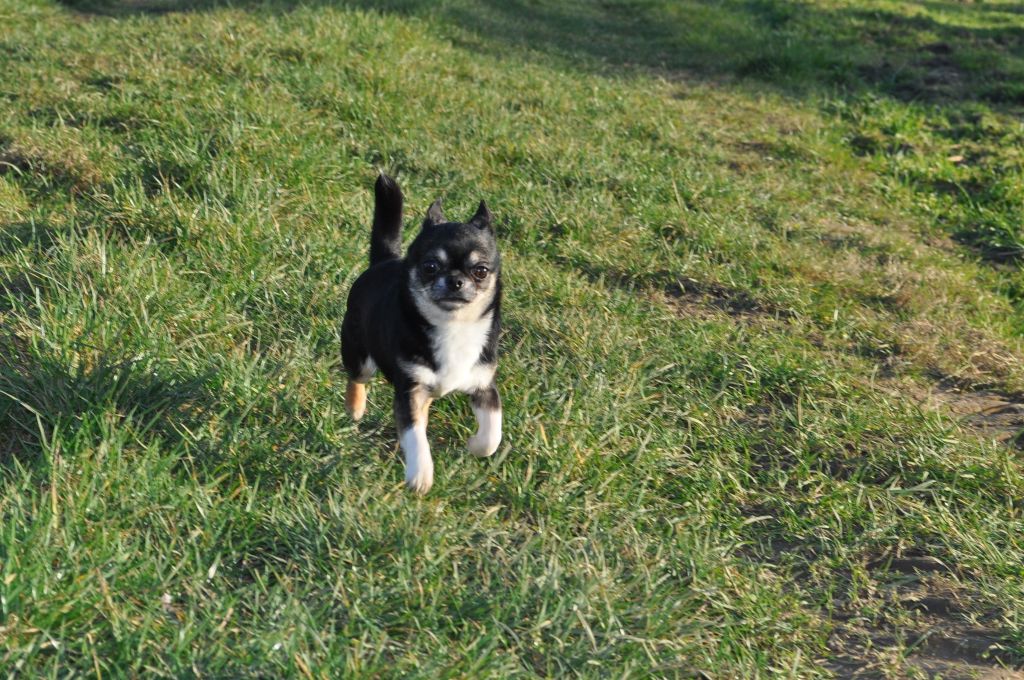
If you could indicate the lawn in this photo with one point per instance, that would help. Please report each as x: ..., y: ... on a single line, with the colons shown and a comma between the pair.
x: 762, y: 367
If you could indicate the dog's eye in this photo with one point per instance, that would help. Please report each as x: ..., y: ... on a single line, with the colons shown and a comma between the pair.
x: 430, y: 268
x: 480, y: 272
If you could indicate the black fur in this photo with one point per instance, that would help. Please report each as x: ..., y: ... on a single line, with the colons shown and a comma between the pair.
x: 386, y: 237
x: 487, y: 399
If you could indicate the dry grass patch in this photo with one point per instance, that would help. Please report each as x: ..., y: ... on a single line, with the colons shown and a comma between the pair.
x: 960, y: 357
x: 61, y: 161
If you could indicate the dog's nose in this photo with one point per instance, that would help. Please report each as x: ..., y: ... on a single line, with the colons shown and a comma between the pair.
x: 456, y: 282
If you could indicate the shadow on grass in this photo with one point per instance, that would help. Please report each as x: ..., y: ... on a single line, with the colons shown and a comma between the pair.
x: 17, y: 235
x: 46, y: 391
x: 198, y: 417
x: 18, y: 287
x: 945, y: 51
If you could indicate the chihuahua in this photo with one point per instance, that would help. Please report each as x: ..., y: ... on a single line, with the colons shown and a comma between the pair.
x: 429, y: 322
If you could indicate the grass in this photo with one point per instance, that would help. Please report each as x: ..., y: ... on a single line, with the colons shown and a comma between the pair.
x: 752, y: 249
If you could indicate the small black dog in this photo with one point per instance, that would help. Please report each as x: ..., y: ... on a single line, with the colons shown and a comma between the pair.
x: 429, y: 322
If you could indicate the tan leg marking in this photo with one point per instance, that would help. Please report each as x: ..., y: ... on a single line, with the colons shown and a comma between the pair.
x: 421, y: 401
x: 355, y: 399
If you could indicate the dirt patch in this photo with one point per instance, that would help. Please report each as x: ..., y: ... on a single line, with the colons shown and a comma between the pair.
x: 918, y: 622
x: 998, y: 416
x: 991, y: 414
x: 706, y: 299
x: 958, y: 358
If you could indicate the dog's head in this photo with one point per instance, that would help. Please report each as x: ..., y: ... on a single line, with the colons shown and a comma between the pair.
x: 454, y: 267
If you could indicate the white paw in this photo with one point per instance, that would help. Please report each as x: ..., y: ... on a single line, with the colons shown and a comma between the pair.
x: 488, y: 434
x: 419, y: 466
x: 419, y: 479
x: 481, y: 445
x: 357, y: 413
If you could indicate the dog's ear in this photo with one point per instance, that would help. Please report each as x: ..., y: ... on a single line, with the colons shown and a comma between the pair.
x: 434, y: 214
x: 482, y: 218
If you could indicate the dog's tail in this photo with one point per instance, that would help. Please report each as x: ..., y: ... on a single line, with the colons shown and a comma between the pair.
x: 386, y: 237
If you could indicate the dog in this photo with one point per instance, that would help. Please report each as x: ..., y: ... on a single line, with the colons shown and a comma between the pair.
x: 429, y: 322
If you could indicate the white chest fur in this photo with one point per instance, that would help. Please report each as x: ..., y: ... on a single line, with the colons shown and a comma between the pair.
x: 457, y: 346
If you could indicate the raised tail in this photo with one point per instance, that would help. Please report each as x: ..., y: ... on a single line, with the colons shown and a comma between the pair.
x: 386, y: 237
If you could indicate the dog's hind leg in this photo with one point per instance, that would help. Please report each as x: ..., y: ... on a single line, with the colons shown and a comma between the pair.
x: 355, y: 399
x: 487, y: 409
x: 360, y: 369
x: 355, y: 391
x: 411, y: 405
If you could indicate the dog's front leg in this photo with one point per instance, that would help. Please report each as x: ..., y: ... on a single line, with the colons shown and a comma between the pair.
x: 487, y: 409
x: 411, y: 405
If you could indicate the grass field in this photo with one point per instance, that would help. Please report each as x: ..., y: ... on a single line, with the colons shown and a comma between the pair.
x: 762, y: 367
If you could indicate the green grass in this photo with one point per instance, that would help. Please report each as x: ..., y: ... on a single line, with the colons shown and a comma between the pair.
x: 744, y: 242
